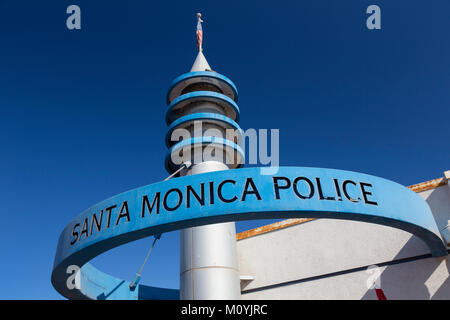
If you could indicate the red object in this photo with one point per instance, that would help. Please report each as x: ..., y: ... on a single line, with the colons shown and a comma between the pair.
x: 199, y: 33
x: 380, y: 294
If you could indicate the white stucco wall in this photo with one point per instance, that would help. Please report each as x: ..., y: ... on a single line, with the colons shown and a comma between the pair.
x: 328, y: 259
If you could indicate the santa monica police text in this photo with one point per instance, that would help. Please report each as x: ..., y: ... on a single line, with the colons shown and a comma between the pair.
x: 228, y: 191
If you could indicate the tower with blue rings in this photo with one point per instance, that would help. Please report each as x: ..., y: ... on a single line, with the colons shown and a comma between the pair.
x: 203, y: 113
x: 203, y: 117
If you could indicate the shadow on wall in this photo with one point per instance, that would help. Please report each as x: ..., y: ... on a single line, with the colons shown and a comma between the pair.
x: 416, y: 280
x: 439, y: 202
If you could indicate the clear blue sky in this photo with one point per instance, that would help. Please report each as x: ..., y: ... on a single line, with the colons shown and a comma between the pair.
x: 82, y: 112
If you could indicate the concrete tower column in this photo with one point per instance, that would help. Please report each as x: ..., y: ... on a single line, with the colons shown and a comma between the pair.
x: 208, y: 257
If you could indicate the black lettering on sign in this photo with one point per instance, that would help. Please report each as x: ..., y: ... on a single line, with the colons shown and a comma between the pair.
x: 254, y: 190
x: 98, y: 224
x: 211, y: 192
x: 319, y: 189
x: 344, y: 189
x: 84, y: 229
x: 338, y: 190
x: 200, y: 199
x: 219, y: 191
x: 109, y: 209
x: 74, y: 234
x: 146, y: 204
x: 366, y: 193
x: 277, y: 186
x: 123, y: 213
x: 180, y: 199
x: 310, y: 185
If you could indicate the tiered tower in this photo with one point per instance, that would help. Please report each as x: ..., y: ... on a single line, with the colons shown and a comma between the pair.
x: 203, y: 103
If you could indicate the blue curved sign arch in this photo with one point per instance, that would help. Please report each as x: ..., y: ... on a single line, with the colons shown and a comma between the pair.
x: 222, y: 196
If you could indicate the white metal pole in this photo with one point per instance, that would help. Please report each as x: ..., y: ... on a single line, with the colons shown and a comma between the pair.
x: 208, y: 257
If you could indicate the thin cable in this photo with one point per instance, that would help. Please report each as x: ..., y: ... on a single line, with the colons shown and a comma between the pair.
x: 148, y: 255
x: 138, y: 275
x: 186, y: 165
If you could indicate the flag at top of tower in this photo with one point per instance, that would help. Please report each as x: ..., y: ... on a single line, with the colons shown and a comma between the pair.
x: 199, y: 32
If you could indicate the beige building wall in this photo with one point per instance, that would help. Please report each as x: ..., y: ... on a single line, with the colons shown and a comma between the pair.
x: 329, y: 259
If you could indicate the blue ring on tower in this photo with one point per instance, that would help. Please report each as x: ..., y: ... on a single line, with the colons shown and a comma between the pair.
x: 204, y: 141
x: 223, y: 83
x: 177, y: 107
x: 205, y: 117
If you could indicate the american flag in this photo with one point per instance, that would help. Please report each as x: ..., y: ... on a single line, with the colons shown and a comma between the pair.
x: 199, y: 33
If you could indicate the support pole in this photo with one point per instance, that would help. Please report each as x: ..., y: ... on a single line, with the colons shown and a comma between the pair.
x: 208, y: 257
